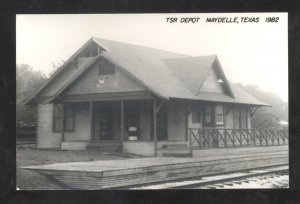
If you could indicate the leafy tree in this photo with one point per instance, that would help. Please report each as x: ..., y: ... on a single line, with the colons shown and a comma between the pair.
x: 267, y: 117
x: 27, y: 82
x: 56, y: 66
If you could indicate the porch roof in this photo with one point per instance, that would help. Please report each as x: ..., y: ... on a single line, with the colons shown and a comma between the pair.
x: 241, y: 97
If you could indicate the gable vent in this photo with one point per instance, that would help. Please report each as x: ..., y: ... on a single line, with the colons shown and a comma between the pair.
x: 220, y: 81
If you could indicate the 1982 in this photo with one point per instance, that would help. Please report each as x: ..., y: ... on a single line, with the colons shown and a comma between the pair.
x: 272, y: 19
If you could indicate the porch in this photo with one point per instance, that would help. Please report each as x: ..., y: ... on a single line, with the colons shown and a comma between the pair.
x: 144, y: 148
x: 206, y: 138
x: 198, y: 140
x: 155, y: 127
x: 139, y: 125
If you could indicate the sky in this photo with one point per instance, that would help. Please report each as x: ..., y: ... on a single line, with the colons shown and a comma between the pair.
x: 249, y: 52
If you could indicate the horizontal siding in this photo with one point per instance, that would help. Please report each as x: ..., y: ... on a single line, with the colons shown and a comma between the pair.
x: 142, y: 148
x: 46, y: 138
x: 118, y: 82
x: 176, y: 121
x: 211, y: 83
x: 68, y: 72
x: 132, y: 95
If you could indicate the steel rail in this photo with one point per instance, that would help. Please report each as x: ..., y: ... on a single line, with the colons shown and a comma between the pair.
x: 227, y: 181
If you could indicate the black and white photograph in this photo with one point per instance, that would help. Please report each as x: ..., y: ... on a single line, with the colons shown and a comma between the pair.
x: 152, y: 101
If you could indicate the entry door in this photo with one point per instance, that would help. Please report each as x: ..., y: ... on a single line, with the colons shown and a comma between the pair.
x: 105, y: 123
x: 209, y: 123
x: 208, y: 116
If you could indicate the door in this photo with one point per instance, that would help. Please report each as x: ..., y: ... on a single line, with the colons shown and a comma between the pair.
x: 106, y: 130
x: 209, y: 124
x: 208, y: 116
x: 103, y: 122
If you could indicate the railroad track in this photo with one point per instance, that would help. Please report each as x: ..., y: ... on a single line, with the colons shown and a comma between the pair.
x: 228, y: 179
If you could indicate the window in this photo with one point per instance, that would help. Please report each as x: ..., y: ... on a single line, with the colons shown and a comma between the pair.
x: 240, y: 114
x: 58, y: 118
x: 243, y: 117
x: 219, y: 115
x: 196, y: 113
x: 69, y: 118
x: 236, y: 117
x: 106, y: 68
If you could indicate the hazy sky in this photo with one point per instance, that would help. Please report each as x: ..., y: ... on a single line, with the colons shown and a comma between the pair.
x: 251, y: 53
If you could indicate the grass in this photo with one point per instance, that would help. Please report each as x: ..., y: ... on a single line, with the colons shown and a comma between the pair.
x: 27, y: 155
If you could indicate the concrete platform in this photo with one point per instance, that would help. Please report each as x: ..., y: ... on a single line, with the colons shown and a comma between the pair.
x: 118, y: 173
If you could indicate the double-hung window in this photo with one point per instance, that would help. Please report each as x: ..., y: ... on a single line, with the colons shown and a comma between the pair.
x: 58, y: 117
x: 69, y: 118
x: 240, y: 114
x: 236, y: 117
x: 219, y: 115
x: 63, y: 118
x: 244, y: 117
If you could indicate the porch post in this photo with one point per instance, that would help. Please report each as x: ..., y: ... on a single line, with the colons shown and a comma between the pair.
x: 186, y: 121
x: 63, y: 123
x: 154, y: 127
x: 122, y: 121
x: 91, y: 120
x: 187, y: 114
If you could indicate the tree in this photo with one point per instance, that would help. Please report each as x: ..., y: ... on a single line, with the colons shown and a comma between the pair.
x: 56, y: 66
x: 27, y: 82
x: 267, y: 117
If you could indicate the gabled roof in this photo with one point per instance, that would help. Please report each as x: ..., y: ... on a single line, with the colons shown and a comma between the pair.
x: 192, y: 71
x: 241, y: 97
x: 71, y: 78
x: 147, y: 66
x: 166, y: 74
x: 58, y: 72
